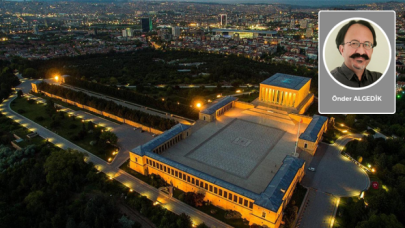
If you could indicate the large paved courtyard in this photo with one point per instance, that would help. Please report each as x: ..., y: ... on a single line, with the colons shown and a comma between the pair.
x: 240, y: 148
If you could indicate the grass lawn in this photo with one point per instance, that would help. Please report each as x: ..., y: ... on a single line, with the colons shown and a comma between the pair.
x: 219, y: 214
x: 67, y: 127
x: 22, y: 133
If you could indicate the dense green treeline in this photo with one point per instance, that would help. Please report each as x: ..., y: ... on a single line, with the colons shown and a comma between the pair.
x: 43, y: 186
x: 110, y: 107
x: 384, y: 207
x: 386, y: 124
x: 129, y: 95
x: 152, y: 67
x: 7, y: 79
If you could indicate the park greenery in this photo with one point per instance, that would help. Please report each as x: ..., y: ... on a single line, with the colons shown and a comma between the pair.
x: 7, y: 80
x: 153, y: 67
x: 109, y: 107
x: 383, y: 207
x: 42, y: 185
x: 167, y: 105
x: 85, y: 134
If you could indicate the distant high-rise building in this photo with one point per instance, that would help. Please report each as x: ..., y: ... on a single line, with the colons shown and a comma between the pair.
x: 146, y: 24
x: 309, y: 33
x: 303, y: 23
x: 292, y: 24
x: 223, y: 20
x: 35, y: 29
x: 176, y: 31
x: 124, y: 33
x: 130, y: 32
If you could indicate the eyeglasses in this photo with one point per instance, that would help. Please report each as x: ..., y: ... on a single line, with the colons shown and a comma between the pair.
x: 356, y: 44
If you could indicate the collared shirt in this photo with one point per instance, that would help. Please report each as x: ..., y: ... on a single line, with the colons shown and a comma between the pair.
x: 347, y: 77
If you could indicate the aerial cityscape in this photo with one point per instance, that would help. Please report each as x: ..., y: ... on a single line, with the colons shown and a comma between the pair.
x: 190, y: 114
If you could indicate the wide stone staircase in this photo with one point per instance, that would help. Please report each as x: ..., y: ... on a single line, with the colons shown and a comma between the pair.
x: 271, y: 113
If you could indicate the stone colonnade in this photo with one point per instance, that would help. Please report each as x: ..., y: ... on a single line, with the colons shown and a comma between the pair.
x: 168, y: 144
x: 222, y: 110
x: 278, y: 97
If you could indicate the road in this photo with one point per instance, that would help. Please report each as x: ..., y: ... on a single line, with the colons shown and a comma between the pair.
x: 111, y: 170
x: 335, y: 176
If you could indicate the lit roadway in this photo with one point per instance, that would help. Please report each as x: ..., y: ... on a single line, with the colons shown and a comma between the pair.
x: 335, y: 176
x: 112, y: 170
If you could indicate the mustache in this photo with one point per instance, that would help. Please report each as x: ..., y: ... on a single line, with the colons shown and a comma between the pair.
x: 357, y: 55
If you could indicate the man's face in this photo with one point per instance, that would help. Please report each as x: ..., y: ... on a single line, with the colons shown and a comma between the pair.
x: 353, y: 61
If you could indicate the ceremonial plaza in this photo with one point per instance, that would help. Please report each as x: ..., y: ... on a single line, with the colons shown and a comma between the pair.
x: 241, y: 156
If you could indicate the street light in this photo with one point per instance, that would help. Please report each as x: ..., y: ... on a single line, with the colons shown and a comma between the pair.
x: 56, y: 77
x: 198, y: 105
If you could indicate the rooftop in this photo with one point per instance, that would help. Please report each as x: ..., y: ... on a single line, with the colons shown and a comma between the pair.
x: 311, y: 133
x: 286, y: 81
x: 213, y: 108
x: 159, y: 140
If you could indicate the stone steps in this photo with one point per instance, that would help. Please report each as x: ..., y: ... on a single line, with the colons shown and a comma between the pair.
x: 271, y: 113
x: 272, y: 117
x: 273, y: 109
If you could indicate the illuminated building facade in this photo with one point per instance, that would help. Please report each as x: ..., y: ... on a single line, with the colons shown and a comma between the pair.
x: 312, y: 135
x: 239, y: 155
x: 287, y: 91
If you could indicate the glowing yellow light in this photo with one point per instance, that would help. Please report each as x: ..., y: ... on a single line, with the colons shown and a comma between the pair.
x: 342, y: 125
x: 344, y: 131
x: 209, y: 100
x: 198, y: 105
x: 238, y: 91
x: 155, y: 203
x: 111, y: 178
x: 131, y: 190
x: 163, y: 99
x: 109, y: 159
x: 369, y: 166
x: 373, y: 170
x: 56, y: 78
x: 219, y: 95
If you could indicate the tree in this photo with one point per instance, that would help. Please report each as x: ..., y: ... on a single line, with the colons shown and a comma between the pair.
x: 30, y: 73
x: 109, y: 137
x: 34, y: 200
x: 125, y: 222
x: 350, y: 119
x: 19, y: 93
x: 380, y: 220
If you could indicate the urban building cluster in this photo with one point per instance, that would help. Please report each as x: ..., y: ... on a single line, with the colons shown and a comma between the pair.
x: 268, y: 33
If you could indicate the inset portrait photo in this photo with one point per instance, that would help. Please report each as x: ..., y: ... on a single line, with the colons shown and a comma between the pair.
x: 357, y: 53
